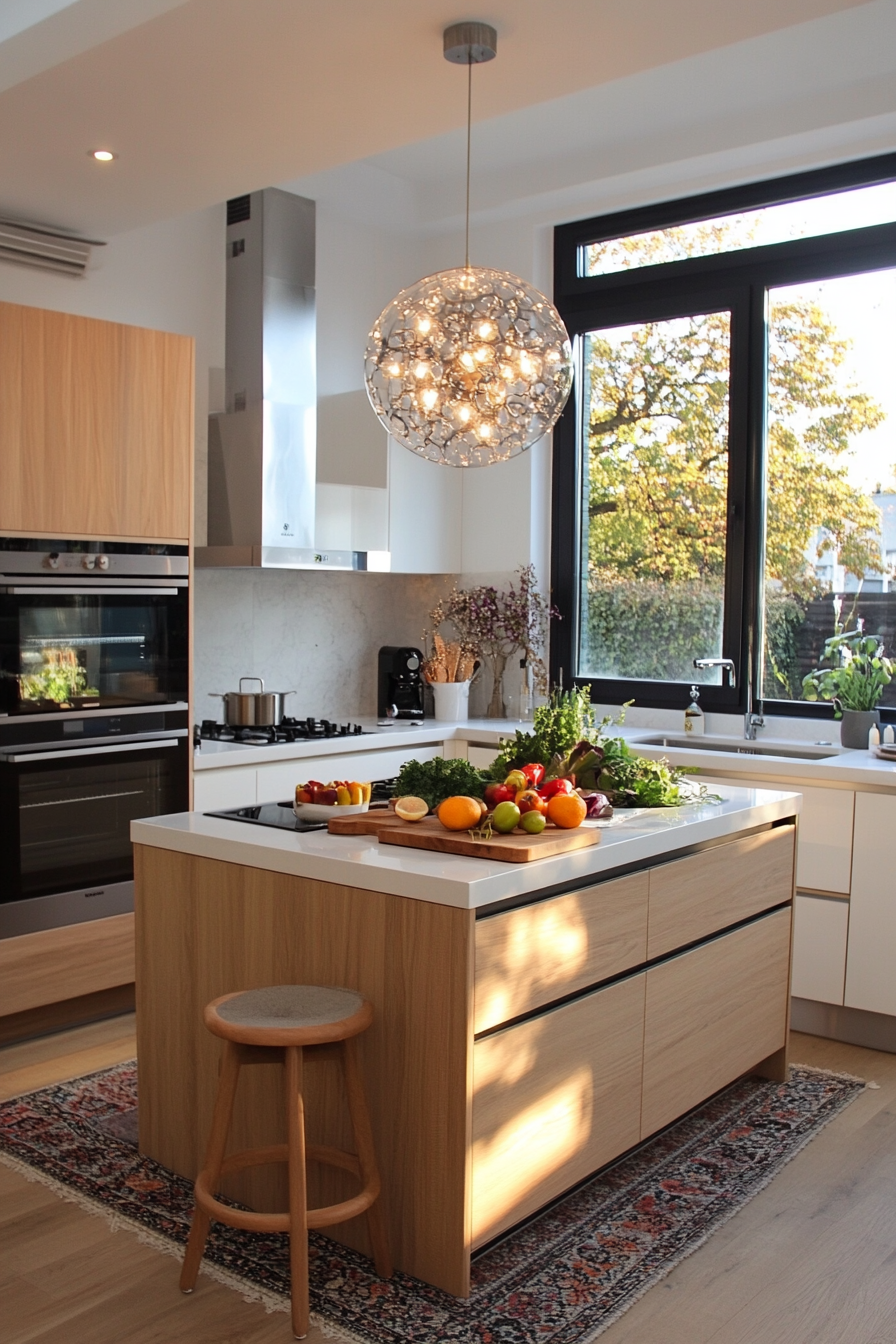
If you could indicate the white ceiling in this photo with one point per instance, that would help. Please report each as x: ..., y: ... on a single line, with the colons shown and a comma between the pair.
x: 205, y: 99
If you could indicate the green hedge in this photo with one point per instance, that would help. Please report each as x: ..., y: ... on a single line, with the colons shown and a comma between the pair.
x: 654, y: 631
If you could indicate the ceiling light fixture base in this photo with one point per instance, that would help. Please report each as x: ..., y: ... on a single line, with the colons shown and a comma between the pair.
x: 469, y: 43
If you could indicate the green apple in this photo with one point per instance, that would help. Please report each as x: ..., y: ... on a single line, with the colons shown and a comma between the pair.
x: 533, y: 823
x: 506, y: 817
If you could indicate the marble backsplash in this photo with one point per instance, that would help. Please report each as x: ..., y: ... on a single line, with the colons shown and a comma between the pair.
x: 315, y: 633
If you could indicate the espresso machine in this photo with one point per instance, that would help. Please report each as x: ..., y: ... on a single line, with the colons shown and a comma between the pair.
x: 400, y: 683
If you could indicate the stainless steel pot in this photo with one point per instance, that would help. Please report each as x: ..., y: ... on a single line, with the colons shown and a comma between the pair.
x: 243, y: 709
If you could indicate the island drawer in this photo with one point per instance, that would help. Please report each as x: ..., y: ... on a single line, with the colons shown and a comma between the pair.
x: 712, y: 1014
x: 696, y: 896
x: 530, y: 956
x: 554, y: 1098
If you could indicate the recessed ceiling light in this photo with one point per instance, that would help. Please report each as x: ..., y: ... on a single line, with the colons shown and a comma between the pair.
x: 102, y: 155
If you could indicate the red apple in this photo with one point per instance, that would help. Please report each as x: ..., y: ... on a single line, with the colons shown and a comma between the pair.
x: 498, y: 793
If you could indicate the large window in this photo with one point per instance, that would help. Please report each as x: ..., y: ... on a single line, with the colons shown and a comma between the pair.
x: 725, y: 475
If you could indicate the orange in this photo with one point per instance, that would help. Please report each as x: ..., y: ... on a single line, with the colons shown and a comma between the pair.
x: 459, y: 813
x: 567, y: 810
x: 410, y: 808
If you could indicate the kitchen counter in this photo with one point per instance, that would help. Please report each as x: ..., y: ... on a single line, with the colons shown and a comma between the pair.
x: 449, y: 879
x: 532, y: 1021
x: 857, y: 768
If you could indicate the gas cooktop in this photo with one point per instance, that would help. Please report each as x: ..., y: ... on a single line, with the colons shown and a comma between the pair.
x: 288, y: 730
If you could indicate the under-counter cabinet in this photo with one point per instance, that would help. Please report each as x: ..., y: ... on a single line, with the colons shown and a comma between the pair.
x: 870, y: 974
x: 96, y: 433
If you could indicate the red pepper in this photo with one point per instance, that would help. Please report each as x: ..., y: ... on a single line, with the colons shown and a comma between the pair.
x: 534, y: 773
x: 555, y: 786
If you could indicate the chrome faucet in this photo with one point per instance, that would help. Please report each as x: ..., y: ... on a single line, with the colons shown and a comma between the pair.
x: 726, y: 664
x: 752, y: 724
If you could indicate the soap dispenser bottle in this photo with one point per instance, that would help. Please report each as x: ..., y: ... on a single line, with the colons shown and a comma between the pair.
x: 694, y: 720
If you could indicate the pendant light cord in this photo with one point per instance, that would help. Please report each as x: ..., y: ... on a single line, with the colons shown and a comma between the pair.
x: 469, y: 119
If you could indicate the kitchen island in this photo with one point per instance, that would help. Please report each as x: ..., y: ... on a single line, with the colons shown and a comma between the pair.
x: 533, y: 1021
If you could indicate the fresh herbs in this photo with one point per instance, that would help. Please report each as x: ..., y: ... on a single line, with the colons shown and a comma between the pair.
x: 436, y: 780
x: 556, y: 728
x: 567, y: 741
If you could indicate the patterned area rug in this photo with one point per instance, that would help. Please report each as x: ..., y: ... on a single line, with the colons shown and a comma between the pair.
x: 563, y: 1278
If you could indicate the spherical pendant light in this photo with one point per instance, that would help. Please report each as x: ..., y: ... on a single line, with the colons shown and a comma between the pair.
x: 469, y: 366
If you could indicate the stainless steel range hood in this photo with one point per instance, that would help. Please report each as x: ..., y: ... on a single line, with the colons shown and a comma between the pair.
x: 262, y: 449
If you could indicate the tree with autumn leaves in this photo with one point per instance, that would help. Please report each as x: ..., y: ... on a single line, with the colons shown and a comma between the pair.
x: 658, y: 449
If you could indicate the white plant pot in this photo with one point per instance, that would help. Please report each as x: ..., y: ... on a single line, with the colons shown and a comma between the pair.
x: 452, y: 700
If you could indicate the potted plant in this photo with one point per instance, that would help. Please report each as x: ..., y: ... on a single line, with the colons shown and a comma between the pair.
x: 854, y: 680
x: 492, y: 625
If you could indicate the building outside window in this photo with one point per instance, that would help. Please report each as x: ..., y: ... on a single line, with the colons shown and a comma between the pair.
x: 727, y: 467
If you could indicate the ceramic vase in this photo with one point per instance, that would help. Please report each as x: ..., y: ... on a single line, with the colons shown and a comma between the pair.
x: 452, y: 700
x: 855, y: 725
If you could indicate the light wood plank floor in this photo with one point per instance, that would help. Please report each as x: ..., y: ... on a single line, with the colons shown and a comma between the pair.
x: 809, y: 1261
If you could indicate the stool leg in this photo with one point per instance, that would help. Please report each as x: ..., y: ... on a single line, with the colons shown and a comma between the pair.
x: 214, y: 1157
x: 357, y: 1106
x: 298, y: 1194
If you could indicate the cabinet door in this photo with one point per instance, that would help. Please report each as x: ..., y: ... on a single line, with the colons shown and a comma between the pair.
x: 693, y: 897
x: 712, y: 1014
x: 819, y: 948
x: 870, y: 973
x: 526, y: 958
x: 824, y: 849
x: 554, y: 1098
x: 97, y: 427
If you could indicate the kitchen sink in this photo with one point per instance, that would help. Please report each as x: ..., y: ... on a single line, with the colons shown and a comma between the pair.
x: 740, y: 747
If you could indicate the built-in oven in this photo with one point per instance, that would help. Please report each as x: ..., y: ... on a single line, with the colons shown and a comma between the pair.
x: 94, y: 720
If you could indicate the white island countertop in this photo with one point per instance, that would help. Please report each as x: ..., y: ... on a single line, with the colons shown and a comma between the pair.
x: 447, y: 879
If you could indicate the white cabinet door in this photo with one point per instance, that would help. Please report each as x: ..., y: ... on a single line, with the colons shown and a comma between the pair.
x: 824, y: 853
x: 819, y: 948
x: 278, y: 782
x: 871, y: 950
x: 215, y: 789
x: 481, y: 757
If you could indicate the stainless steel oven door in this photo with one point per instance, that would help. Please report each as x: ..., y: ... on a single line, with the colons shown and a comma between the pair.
x: 66, y: 811
x: 70, y: 647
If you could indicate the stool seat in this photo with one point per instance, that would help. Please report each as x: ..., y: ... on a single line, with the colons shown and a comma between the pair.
x: 282, y: 1022
x: 283, y: 1015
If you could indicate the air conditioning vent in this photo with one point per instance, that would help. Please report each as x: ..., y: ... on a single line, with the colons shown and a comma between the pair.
x: 45, y: 248
x: 239, y: 208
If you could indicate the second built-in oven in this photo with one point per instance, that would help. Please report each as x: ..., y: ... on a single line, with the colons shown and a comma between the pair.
x: 94, y: 721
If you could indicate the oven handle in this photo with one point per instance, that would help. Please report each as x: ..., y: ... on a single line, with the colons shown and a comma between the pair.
x: 108, y: 590
x: 120, y: 748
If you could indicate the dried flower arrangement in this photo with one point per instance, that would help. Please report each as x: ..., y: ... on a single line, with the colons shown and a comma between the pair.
x: 492, y: 625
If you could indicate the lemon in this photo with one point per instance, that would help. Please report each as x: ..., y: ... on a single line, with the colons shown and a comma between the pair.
x: 410, y: 808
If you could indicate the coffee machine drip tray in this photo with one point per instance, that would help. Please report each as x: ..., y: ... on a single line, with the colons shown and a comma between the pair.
x: 400, y: 684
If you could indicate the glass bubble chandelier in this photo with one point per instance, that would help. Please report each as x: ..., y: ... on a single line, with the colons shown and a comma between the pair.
x: 469, y: 366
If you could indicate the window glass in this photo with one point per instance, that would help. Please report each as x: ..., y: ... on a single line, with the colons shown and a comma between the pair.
x: 831, y: 457
x: 855, y: 209
x: 654, y: 499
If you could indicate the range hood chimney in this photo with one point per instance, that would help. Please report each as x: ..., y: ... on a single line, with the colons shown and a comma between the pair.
x: 262, y: 448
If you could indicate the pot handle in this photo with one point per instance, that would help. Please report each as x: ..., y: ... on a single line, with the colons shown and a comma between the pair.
x: 258, y: 679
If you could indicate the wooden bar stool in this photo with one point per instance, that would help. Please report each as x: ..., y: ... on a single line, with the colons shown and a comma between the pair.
x: 280, y: 1022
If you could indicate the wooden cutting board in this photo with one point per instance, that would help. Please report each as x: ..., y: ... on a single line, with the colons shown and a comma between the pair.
x: 514, y: 848
x: 365, y: 823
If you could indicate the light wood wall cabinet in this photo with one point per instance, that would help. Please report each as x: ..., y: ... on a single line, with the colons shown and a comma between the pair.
x: 96, y: 430
x: 502, y: 1067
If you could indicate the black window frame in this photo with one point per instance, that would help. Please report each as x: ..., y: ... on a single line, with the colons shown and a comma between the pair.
x: 740, y: 281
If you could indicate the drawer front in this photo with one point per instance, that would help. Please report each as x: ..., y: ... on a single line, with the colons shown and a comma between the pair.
x: 554, y: 1098
x: 694, y: 897
x: 712, y: 1014
x: 824, y: 852
x: 278, y: 781
x: 217, y: 789
x: 526, y: 958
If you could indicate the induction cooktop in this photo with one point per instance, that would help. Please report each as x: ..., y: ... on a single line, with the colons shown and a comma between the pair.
x: 279, y: 815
